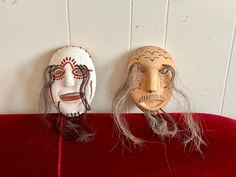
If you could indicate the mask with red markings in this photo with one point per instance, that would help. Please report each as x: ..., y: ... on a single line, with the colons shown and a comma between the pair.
x: 74, y: 80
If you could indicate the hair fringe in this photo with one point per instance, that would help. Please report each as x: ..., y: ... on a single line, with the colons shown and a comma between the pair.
x: 119, y: 105
x: 193, y: 128
x: 44, y: 100
x: 162, y: 124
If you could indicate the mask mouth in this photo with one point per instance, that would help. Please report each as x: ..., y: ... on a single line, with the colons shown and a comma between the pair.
x: 151, y: 98
x: 71, y: 96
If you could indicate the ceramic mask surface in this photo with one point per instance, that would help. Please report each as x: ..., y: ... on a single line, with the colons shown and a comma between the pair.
x: 73, y: 68
x: 150, y: 70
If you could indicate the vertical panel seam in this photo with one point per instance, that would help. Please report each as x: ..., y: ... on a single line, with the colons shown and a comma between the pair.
x: 130, y: 24
x: 166, y: 23
x: 68, y: 22
x: 227, y: 69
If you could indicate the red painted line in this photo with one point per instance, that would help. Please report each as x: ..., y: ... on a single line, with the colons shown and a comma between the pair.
x: 59, y: 158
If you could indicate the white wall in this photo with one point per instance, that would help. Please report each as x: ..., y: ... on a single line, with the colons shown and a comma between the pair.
x: 199, y: 34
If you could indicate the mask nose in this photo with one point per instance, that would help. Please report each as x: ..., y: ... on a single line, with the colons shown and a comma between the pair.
x: 68, y: 78
x: 154, y: 82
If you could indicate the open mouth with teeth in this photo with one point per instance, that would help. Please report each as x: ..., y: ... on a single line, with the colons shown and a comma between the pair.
x: 71, y: 96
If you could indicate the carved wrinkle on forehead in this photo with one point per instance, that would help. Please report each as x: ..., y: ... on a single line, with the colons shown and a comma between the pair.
x: 151, y: 58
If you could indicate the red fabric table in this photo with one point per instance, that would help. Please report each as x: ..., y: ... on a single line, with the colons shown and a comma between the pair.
x: 29, y: 148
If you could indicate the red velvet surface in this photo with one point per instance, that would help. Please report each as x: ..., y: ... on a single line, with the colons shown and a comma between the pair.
x: 29, y: 149
x: 28, y: 146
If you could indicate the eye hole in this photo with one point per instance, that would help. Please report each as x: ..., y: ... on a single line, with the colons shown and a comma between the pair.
x: 80, y: 71
x: 164, y: 70
x: 141, y: 69
x: 58, y: 72
x: 140, y: 73
x: 140, y: 76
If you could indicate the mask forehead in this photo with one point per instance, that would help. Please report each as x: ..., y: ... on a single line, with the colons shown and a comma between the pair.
x: 151, y: 56
x: 72, y: 54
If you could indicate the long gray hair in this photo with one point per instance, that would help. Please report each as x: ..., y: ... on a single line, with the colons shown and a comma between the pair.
x: 161, y: 123
x: 75, y: 127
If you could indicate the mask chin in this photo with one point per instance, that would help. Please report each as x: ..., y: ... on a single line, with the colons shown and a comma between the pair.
x: 150, y: 102
x: 151, y: 107
x: 71, y: 109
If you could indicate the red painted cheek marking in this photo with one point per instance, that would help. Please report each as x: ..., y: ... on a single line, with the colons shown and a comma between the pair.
x: 91, y: 88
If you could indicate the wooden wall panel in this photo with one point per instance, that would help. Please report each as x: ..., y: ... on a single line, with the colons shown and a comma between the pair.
x: 30, y: 31
x: 103, y: 28
x: 148, y: 23
x: 198, y: 36
x: 229, y: 102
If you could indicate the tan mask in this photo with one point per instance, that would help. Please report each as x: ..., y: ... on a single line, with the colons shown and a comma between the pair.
x: 151, y: 69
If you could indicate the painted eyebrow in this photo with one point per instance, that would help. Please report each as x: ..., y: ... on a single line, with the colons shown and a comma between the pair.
x: 54, y: 67
x: 166, y: 65
x: 77, y: 66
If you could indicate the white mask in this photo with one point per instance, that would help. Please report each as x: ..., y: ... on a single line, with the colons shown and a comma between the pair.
x: 74, y: 77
